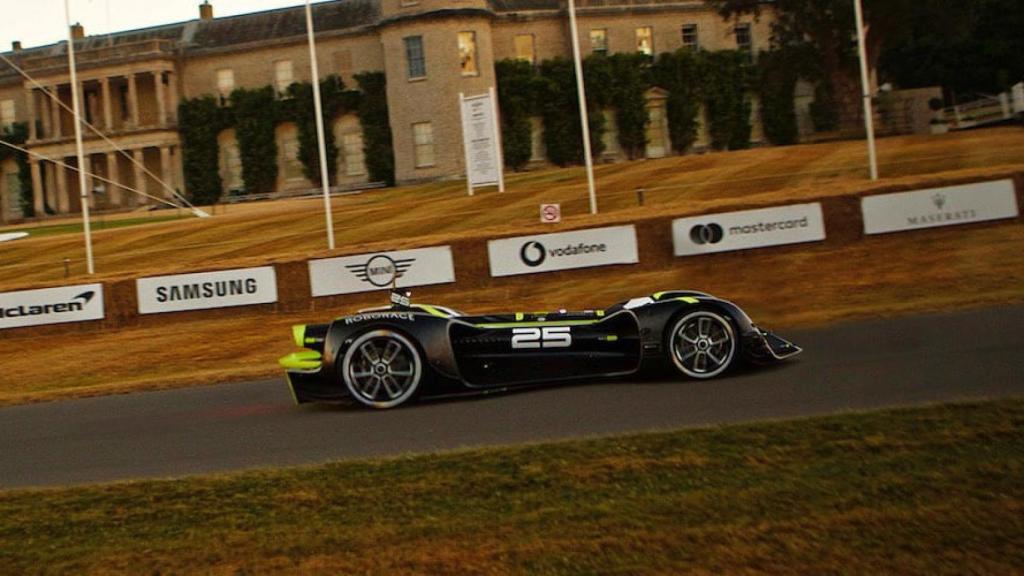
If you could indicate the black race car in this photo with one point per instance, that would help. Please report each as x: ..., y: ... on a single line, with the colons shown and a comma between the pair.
x: 385, y: 357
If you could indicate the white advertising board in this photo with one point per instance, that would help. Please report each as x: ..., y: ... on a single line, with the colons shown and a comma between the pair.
x: 563, y: 251
x: 206, y: 290
x: 1018, y: 98
x: 79, y: 303
x: 947, y: 206
x: 381, y: 270
x: 728, y: 231
x: 480, y: 138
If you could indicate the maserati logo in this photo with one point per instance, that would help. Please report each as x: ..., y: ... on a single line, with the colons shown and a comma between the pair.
x: 380, y: 270
x: 939, y: 200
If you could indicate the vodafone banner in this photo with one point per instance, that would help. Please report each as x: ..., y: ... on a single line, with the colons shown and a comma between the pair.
x: 563, y: 251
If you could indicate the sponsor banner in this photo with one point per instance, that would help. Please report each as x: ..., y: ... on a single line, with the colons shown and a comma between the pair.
x: 480, y: 138
x: 563, y: 251
x: 206, y: 290
x: 382, y: 270
x: 728, y: 231
x: 51, y: 306
x: 947, y: 206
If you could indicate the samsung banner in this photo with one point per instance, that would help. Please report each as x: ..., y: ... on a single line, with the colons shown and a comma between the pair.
x: 728, y: 231
x: 382, y: 270
x: 205, y: 290
x: 481, y: 140
x: 51, y: 306
x: 947, y: 206
x: 563, y: 251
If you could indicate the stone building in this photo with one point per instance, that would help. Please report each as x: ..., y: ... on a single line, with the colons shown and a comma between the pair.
x: 430, y: 51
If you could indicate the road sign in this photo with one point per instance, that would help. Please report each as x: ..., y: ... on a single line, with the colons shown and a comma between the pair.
x: 550, y: 213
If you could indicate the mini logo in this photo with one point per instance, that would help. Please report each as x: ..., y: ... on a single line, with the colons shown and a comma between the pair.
x: 939, y: 200
x: 380, y: 270
x: 702, y: 234
x: 533, y: 254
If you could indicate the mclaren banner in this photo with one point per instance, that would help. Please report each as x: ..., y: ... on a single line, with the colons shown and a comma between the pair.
x: 563, y: 251
x: 51, y: 306
x: 748, y: 229
x: 947, y: 206
x: 381, y: 270
x: 206, y: 290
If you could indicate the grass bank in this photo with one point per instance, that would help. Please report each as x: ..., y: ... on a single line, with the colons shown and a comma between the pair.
x: 937, y: 490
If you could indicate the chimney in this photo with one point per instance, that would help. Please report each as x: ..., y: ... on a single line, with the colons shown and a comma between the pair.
x: 16, y: 45
x: 77, y: 31
x: 206, y: 10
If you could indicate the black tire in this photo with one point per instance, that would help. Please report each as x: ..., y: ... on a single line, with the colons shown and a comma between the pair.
x: 382, y: 369
x: 702, y: 344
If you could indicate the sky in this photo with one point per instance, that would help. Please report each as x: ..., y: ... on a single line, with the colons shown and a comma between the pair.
x: 41, y: 22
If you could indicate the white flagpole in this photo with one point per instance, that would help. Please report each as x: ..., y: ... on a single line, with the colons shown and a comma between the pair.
x: 585, y: 122
x: 83, y: 193
x: 865, y: 80
x: 321, y: 140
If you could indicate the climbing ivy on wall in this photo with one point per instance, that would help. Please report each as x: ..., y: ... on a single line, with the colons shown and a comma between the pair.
x: 630, y: 80
x: 778, y: 75
x: 336, y: 102
x: 726, y: 86
x: 256, y: 116
x: 17, y: 134
x: 373, y: 116
x: 681, y: 74
x: 558, y: 105
x: 516, y: 80
x: 200, y: 120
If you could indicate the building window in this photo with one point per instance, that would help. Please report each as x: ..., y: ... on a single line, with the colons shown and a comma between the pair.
x: 645, y: 40
x: 691, y: 39
x: 225, y: 81
x: 467, y: 53
x: 291, y: 162
x: 6, y: 113
x: 744, y: 38
x: 525, y: 48
x: 283, y: 76
x: 415, y: 57
x: 599, y: 41
x: 423, y: 139
x: 352, y: 148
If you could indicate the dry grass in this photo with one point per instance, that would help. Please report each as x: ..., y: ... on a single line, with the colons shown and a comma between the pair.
x: 292, y: 229
x: 927, y: 491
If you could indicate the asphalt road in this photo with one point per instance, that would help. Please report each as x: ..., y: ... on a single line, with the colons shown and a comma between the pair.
x: 866, y: 365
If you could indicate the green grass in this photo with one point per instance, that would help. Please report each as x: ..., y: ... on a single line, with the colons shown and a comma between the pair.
x: 936, y: 490
x: 98, y: 223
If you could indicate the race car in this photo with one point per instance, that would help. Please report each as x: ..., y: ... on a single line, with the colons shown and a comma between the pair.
x: 385, y: 357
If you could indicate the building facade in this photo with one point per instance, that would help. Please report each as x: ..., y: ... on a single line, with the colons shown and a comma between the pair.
x: 429, y: 50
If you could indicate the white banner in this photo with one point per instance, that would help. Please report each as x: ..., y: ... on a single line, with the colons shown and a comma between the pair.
x: 379, y: 271
x: 748, y: 229
x: 1018, y: 98
x: 480, y: 138
x: 947, y: 206
x: 563, y: 251
x: 51, y: 306
x: 205, y: 290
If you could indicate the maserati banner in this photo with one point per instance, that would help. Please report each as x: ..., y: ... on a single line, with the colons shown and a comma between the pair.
x: 206, y: 290
x: 563, y: 251
x: 381, y: 270
x: 947, y: 206
x: 51, y: 306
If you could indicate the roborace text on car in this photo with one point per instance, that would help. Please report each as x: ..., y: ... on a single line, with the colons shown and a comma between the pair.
x: 385, y: 357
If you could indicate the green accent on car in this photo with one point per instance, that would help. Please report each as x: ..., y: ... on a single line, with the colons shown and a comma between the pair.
x: 299, y: 335
x: 538, y: 324
x: 305, y: 360
x: 658, y: 295
x: 689, y: 300
x: 600, y: 313
x: 431, y: 310
x: 520, y: 316
x: 611, y: 338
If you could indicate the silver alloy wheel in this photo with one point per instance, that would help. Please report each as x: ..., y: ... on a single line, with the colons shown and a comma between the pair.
x: 382, y: 369
x: 703, y: 344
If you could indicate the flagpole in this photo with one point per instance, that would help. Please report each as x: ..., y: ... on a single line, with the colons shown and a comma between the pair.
x: 321, y: 140
x: 582, y: 95
x: 865, y: 80
x: 75, y: 104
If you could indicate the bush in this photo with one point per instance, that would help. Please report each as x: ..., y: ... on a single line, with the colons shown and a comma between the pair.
x: 778, y: 78
x: 725, y: 95
x: 200, y: 120
x: 255, y: 119
x: 681, y: 73
x: 373, y: 116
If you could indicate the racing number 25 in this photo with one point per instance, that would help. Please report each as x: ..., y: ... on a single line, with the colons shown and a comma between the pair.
x: 533, y: 338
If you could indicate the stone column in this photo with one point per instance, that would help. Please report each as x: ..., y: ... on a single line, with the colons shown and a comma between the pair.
x: 165, y: 169
x: 140, y: 176
x: 55, y: 112
x: 179, y: 170
x: 63, y: 201
x: 161, y: 98
x: 91, y: 181
x: 37, y: 187
x: 113, y: 174
x: 133, y: 101
x: 108, y: 111
x: 44, y: 114
x: 33, y: 115
x: 50, y: 175
x: 172, y: 92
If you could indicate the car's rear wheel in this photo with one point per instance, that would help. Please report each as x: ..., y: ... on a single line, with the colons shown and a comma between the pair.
x: 702, y: 344
x: 382, y: 369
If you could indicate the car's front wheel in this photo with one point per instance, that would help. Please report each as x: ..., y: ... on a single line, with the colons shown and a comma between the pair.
x: 382, y: 369
x: 702, y: 344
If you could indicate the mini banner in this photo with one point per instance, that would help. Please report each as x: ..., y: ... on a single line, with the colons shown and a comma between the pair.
x: 728, y: 231
x: 206, y: 290
x: 79, y: 303
x: 947, y: 206
x: 563, y: 251
x: 381, y: 270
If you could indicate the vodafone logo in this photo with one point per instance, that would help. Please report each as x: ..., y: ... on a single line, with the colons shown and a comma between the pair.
x: 533, y: 254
